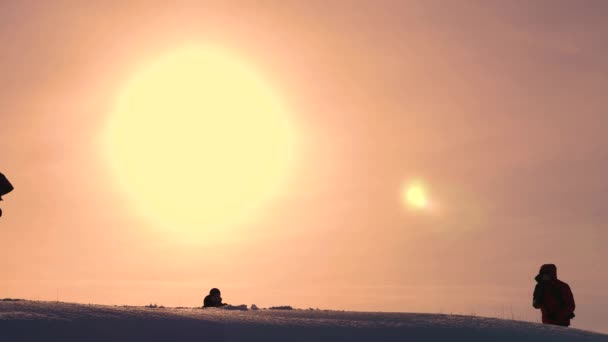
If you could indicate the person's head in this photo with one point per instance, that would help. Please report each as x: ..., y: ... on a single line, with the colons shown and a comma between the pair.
x: 548, y: 272
x: 214, y: 292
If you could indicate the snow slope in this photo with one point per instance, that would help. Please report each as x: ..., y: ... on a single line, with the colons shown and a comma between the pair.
x: 52, y: 321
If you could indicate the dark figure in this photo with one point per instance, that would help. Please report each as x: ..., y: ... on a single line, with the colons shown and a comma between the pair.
x: 553, y: 297
x: 5, y: 188
x: 213, y: 299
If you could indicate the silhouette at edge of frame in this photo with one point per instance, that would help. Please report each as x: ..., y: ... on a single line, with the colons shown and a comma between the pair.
x: 213, y: 299
x: 5, y: 187
x: 553, y: 297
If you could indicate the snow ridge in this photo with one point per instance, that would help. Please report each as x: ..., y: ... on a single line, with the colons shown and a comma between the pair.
x: 65, y: 322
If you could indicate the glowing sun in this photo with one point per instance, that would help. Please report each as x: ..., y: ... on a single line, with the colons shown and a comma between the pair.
x: 198, y: 139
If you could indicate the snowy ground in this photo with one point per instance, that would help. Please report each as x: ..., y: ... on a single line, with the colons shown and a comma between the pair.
x: 51, y: 321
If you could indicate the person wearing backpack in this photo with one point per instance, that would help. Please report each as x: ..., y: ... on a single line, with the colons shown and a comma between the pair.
x: 553, y: 297
x: 5, y: 188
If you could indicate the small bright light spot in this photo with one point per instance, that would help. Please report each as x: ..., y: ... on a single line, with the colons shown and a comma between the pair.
x: 415, y: 197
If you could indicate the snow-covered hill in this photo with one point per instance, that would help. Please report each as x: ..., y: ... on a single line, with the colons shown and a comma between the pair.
x: 64, y: 322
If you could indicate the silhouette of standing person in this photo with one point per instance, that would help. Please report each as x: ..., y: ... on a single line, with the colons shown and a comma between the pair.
x: 5, y: 188
x: 213, y: 299
x: 553, y: 297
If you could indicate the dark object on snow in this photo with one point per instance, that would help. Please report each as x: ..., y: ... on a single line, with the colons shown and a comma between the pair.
x: 284, y: 307
x: 5, y: 188
x: 553, y: 297
x: 11, y: 300
x: 213, y: 299
x: 242, y: 307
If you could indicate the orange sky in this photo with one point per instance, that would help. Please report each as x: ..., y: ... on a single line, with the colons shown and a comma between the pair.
x: 498, y: 107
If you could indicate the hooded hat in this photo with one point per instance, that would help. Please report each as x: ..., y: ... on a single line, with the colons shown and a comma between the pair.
x: 549, y: 269
x: 214, y: 291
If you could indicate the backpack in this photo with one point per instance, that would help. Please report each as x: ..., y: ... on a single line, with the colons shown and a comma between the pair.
x: 560, y: 300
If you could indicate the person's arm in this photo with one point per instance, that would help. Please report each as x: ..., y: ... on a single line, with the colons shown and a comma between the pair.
x: 537, y: 297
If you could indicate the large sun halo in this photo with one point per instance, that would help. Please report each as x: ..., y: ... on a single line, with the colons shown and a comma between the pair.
x: 199, y: 140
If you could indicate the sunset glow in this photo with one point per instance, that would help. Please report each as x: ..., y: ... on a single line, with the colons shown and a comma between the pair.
x: 379, y: 156
x: 199, y: 140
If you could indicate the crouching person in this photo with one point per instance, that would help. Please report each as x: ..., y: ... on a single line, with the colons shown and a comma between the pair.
x: 213, y: 299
